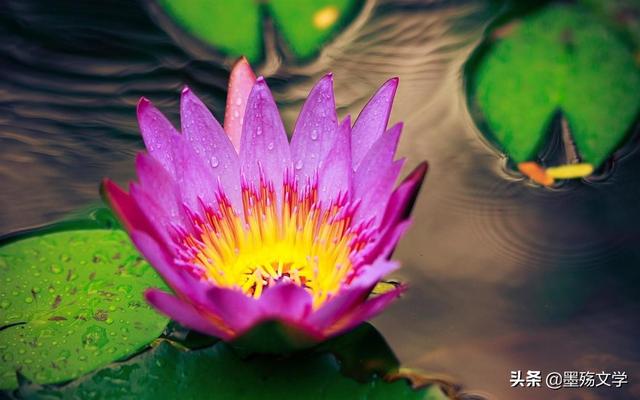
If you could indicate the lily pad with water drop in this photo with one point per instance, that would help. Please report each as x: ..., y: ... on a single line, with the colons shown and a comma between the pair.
x: 559, y: 58
x: 235, y: 26
x: 71, y: 302
x: 218, y: 373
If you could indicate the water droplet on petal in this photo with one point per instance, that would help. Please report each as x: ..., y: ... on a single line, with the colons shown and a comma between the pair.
x: 314, y: 134
x: 214, y: 162
x: 270, y: 146
x: 298, y: 165
x: 259, y: 131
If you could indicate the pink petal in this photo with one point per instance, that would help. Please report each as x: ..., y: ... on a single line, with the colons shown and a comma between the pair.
x: 158, y: 185
x: 184, y: 313
x: 285, y: 301
x: 195, y: 179
x: 374, y: 179
x: 157, y: 133
x: 364, y: 312
x: 237, y: 310
x: 402, y: 199
x: 264, y: 147
x: 396, y: 221
x: 386, y: 242
x: 372, y: 121
x: 336, y: 175
x: 159, y: 257
x: 127, y: 210
x: 370, y: 275
x: 241, y: 82
x: 210, y: 142
x: 315, y: 131
x: 337, y: 306
x: 350, y: 296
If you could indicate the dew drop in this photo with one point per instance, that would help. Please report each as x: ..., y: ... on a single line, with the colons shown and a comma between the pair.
x: 258, y: 131
x: 94, y: 338
x: 55, y: 268
x: 270, y: 146
x: 4, y: 304
x: 214, y: 162
x: 298, y: 165
x: 314, y: 134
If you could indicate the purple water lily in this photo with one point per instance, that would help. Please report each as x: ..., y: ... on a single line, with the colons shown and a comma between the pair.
x: 246, y: 227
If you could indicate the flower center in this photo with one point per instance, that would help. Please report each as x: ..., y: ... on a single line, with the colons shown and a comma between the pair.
x: 301, y: 241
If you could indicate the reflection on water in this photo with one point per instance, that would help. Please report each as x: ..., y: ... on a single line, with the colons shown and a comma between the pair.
x: 504, y: 275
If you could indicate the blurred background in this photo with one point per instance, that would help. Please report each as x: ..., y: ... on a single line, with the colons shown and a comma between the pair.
x: 504, y: 274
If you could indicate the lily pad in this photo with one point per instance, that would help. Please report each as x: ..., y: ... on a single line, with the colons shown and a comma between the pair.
x: 218, y: 373
x: 235, y: 26
x: 561, y: 58
x: 71, y: 302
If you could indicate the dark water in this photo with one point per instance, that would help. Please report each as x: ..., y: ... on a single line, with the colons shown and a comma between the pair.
x: 504, y: 275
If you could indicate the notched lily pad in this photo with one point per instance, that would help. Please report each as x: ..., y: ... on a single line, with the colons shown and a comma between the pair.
x: 559, y: 59
x: 218, y: 373
x: 235, y: 26
x: 71, y: 302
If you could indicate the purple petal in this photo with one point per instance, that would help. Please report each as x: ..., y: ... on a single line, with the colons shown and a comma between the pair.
x: 127, y: 210
x: 337, y: 306
x: 160, y: 259
x: 336, y: 175
x: 315, y: 130
x: 373, y: 181
x: 184, y: 313
x: 157, y: 133
x: 158, y: 185
x: 364, y: 312
x: 241, y: 82
x: 370, y: 275
x: 285, y: 301
x: 237, y: 310
x: 402, y: 199
x: 396, y: 221
x: 194, y: 178
x: 372, y: 121
x: 264, y: 147
x: 386, y: 242
x: 352, y: 295
x: 211, y: 143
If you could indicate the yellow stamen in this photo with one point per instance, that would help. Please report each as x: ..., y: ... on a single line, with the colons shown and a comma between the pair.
x: 298, y: 241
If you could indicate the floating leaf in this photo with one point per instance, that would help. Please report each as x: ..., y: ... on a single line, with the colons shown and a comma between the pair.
x: 71, y: 302
x: 218, y: 373
x: 235, y: 26
x: 560, y: 58
x: 362, y: 353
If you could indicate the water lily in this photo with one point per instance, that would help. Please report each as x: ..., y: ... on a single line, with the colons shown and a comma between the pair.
x: 246, y: 227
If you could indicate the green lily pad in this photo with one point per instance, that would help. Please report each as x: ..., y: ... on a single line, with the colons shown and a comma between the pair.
x: 559, y: 58
x: 362, y: 353
x: 235, y: 26
x: 218, y: 373
x: 71, y: 302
